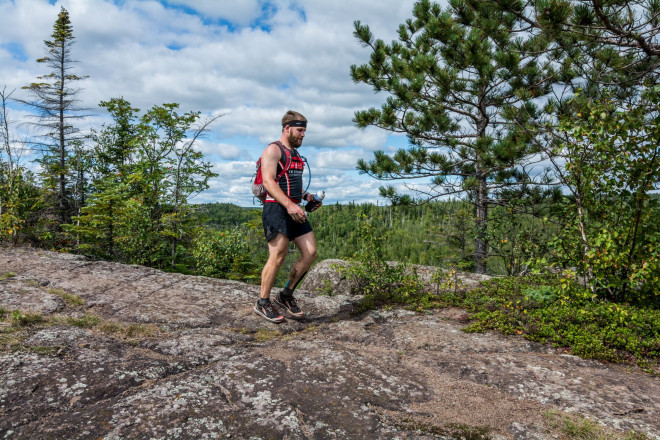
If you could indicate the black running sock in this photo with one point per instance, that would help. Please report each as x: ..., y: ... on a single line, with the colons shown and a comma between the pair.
x: 288, y: 291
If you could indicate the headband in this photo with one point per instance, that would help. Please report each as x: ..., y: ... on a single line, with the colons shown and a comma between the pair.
x: 295, y: 124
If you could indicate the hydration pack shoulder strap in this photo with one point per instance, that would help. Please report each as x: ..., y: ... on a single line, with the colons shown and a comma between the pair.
x: 287, y: 161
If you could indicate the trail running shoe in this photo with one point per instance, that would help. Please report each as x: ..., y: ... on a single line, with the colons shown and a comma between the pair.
x: 289, y: 303
x: 265, y: 308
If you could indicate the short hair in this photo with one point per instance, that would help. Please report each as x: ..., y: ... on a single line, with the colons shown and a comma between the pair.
x: 290, y: 116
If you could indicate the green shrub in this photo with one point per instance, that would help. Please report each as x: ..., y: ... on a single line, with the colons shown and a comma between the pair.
x: 610, y: 228
x: 222, y: 254
x: 380, y: 282
x: 542, y: 309
x: 541, y: 294
x: 20, y: 319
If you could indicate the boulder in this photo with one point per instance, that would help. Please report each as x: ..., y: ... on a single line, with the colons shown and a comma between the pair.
x: 326, y: 278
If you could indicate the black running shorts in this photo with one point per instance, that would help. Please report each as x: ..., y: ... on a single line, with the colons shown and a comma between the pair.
x: 277, y: 220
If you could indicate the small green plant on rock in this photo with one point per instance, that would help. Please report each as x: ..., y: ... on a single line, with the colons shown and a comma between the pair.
x: 326, y: 289
x: 263, y: 335
x: 7, y: 275
x: 382, y: 283
x: 128, y: 332
x: 575, y: 427
x: 69, y: 298
x: 86, y: 321
x: 20, y: 319
x: 446, y: 281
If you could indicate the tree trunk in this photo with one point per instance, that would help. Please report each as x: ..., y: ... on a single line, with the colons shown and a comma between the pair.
x: 480, y: 242
x: 62, y: 177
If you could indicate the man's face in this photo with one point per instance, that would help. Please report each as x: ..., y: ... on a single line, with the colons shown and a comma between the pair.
x: 296, y: 135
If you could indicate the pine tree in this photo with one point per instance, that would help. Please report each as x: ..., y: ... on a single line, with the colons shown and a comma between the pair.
x: 462, y: 88
x: 56, y: 104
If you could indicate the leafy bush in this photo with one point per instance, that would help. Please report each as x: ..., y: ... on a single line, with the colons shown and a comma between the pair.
x: 611, y: 226
x: 222, y: 254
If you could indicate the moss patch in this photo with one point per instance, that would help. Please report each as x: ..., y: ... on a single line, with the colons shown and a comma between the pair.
x: 6, y: 276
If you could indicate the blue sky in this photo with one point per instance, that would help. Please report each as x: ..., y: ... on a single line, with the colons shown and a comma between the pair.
x: 250, y: 60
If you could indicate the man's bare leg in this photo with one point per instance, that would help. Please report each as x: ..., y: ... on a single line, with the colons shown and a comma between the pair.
x: 307, y: 246
x: 278, y: 247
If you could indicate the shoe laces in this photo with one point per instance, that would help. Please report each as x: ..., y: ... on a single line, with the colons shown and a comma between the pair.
x: 290, y: 300
x: 270, y: 308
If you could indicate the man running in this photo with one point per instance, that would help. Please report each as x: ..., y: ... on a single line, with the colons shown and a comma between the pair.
x: 283, y: 218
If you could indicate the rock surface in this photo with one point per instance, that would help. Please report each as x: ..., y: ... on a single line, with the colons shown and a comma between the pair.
x: 168, y: 356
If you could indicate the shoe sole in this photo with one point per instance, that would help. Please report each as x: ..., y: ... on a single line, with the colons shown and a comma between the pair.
x: 295, y: 315
x: 276, y: 320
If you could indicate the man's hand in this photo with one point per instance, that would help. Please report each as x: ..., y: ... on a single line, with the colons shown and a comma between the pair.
x: 296, y: 213
x: 311, y: 197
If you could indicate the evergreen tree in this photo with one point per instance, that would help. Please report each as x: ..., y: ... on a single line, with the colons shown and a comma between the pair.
x: 114, y: 145
x: 613, y: 44
x: 56, y: 104
x: 101, y: 225
x: 462, y: 88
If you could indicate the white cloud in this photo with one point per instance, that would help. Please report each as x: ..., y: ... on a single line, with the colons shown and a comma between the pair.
x: 225, y: 151
x: 342, y: 160
x: 251, y: 59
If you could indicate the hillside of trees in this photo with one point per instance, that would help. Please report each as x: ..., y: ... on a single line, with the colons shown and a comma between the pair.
x: 436, y: 233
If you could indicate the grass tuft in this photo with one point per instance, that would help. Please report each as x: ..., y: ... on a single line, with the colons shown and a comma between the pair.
x: 27, y: 319
x: 6, y: 276
x: 69, y: 298
x: 263, y: 335
x: 575, y: 427
x: 128, y: 332
x: 86, y: 321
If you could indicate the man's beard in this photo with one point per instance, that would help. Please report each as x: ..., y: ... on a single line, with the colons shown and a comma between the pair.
x: 294, y: 141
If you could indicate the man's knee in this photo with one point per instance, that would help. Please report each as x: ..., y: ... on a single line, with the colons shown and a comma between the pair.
x: 309, y: 255
x: 278, y: 257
